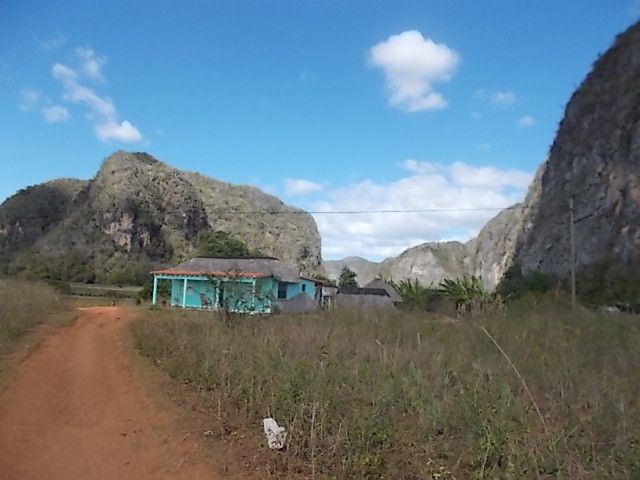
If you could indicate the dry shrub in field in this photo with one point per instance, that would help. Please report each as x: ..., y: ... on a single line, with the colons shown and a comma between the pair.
x: 405, y: 395
x: 24, y: 304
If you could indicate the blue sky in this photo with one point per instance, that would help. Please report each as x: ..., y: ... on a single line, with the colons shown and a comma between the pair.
x: 327, y: 104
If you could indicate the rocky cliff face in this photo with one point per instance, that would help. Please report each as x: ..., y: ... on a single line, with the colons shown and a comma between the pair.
x: 138, y: 212
x: 595, y: 159
x: 429, y: 263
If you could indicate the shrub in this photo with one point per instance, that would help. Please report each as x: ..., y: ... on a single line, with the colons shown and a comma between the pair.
x: 515, y: 284
x: 415, y: 296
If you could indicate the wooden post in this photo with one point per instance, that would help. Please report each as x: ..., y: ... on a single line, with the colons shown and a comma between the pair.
x: 154, y: 296
x: 572, y: 253
x: 184, y: 293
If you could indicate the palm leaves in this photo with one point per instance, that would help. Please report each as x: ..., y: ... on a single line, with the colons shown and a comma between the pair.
x: 468, y: 293
x: 415, y: 296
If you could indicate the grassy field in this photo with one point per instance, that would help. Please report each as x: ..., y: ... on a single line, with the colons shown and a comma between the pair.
x: 23, y: 305
x: 413, y: 396
x: 99, y: 290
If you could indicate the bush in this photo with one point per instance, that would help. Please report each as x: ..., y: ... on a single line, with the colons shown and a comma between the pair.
x: 222, y: 244
x: 415, y: 296
x: 515, y: 284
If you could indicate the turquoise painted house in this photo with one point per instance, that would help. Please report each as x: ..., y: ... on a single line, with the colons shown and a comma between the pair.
x: 243, y: 285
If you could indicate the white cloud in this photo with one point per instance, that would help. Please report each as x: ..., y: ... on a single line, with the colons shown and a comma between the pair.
x: 54, y: 42
x: 484, y: 146
x: 460, y: 188
x: 29, y: 99
x: 506, y: 98
x: 412, y: 64
x: 526, y: 121
x: 476, y: 115
x: 503, y: 98
x: 55, y: 114
x: 299, y: 186
x: 91, y: 63
x: 123, y: 131
x: 100, y: 110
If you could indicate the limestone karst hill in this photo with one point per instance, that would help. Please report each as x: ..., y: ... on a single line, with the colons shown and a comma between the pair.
x: 136, y: 213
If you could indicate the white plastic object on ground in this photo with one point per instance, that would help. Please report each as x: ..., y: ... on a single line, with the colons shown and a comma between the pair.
x: 276, y: 435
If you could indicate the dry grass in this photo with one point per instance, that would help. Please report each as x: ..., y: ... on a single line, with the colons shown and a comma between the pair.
x: 25, y: 304
x: 379, y: 395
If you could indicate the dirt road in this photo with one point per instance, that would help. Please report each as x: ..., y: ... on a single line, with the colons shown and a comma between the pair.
x: 75, y: 410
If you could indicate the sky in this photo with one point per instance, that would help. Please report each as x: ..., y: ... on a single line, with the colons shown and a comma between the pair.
x: 329, y: 105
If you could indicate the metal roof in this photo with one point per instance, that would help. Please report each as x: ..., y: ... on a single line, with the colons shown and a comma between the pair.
x: 378, y: 283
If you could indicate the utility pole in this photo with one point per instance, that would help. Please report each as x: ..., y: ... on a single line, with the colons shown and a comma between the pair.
x: 572, y: 253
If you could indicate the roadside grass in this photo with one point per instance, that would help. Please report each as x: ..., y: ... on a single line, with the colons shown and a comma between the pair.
x: 412, y: 396
x: 99, y: 290
x: 25, y: 304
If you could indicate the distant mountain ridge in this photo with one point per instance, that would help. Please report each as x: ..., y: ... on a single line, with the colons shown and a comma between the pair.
x: 488, y: 255
x: 138, y: 213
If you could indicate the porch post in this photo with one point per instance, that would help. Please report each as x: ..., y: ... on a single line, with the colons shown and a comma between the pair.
x: 154, y: 296
x: 253, y: 292
x: 184, y: 293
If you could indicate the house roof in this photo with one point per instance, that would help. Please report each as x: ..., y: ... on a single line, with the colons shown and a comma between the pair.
x: 378, y: 283
x: 235, y: 267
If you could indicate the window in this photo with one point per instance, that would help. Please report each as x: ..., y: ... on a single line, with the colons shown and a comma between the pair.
x: 304, y: 287
x: 282, y: 290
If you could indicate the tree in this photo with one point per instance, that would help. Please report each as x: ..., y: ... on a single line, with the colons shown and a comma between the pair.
x: 221, y: 244
x: 347, y: 278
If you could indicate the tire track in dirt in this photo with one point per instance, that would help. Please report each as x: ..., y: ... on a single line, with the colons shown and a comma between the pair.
x: 75, y: 410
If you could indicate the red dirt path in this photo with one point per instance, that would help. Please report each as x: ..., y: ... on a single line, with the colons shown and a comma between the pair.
x: 75, y: 410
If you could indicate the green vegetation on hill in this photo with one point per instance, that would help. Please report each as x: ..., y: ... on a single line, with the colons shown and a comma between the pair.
x: 390, y: 395
x: 222, y: 244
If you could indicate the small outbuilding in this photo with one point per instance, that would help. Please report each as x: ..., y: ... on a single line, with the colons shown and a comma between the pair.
x: 376, y: 294
x: 243, y: 285
x: 380, y: 284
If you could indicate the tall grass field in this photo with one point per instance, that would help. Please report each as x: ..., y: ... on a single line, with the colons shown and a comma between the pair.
x: 25, y: 304
x: 537, y: 391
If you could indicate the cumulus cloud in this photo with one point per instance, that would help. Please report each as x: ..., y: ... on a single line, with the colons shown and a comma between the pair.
x: 91, y: 63
x: 458, y: 189
x: 526, y: 121
x: 412, y: 64
x: 55, y: 114
x: 101, y: 111
x: 299, y: 187
x: 122, y: 131
x: 501, y: 98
